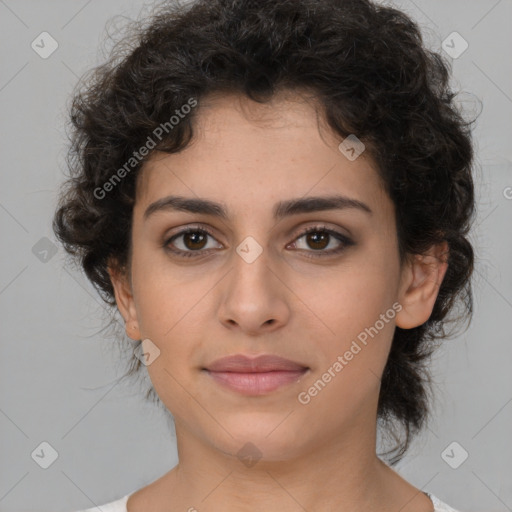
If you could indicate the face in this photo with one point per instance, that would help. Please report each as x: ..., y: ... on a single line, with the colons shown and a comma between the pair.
x: 255, y: 283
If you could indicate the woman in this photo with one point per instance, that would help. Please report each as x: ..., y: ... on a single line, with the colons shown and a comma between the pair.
x: 276, y: 198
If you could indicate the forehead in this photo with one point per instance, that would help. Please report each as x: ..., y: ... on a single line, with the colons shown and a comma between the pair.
x: 245, y: 152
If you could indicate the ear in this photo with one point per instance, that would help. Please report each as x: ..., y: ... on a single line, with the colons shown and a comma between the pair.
x: 420, y: 282
x: 124, y: 299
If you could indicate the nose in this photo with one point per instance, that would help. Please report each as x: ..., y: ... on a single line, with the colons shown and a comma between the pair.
x: 254, y: 298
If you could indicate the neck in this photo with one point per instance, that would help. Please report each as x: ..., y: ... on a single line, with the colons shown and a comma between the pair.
x: 341, y: 473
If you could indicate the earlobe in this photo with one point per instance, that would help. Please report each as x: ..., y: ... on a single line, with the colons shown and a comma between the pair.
x: 124, y: 300
x: 421, y: 282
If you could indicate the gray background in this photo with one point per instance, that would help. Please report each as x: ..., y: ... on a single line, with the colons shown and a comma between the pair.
x: 59, y: 371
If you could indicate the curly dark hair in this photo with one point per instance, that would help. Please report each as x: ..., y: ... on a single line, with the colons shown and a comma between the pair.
x: 372, y: 75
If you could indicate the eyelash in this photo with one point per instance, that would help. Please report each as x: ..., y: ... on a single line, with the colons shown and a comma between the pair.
x: 346, y: 242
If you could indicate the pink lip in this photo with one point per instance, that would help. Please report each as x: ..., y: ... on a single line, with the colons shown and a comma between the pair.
x: 255, y: 376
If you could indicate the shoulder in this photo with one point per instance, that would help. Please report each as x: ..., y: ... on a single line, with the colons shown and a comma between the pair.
x: 114, y: 506
x: 144, y: 498
x: 439, y: 506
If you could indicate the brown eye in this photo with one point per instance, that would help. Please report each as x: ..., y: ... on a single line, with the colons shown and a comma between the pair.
x: 194, y: 240
x: 318, y: 238
x: 190, y: 241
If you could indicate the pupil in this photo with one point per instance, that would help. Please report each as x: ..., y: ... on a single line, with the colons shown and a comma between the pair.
x: 318, y: 238
x: 195, y: 238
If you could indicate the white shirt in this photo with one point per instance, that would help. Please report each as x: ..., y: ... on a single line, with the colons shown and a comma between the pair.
x: 120, y: 505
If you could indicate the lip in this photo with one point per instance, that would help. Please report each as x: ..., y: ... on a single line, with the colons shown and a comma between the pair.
x: 263, y: 363
x: 255, y: 376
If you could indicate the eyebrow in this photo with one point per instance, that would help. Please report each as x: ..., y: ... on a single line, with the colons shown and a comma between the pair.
x: 281, y: 209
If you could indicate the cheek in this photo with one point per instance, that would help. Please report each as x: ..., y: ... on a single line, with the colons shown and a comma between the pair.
x: 165, y: 294
x: 173, y: 304
x: 357, y: 319
x: 355, y: 315
x: 353, y: 296
x: 168, y: 308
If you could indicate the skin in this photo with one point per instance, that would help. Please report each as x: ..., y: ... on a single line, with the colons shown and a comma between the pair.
x: 318, y: 456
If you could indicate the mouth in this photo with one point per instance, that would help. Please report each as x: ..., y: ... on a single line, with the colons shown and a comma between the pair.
x: 255, y: 376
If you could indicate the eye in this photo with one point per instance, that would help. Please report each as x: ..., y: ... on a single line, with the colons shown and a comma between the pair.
x: 319, y: 238
x: 193, y: 242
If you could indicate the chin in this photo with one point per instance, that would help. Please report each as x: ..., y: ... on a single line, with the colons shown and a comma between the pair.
x: 260, y: 438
